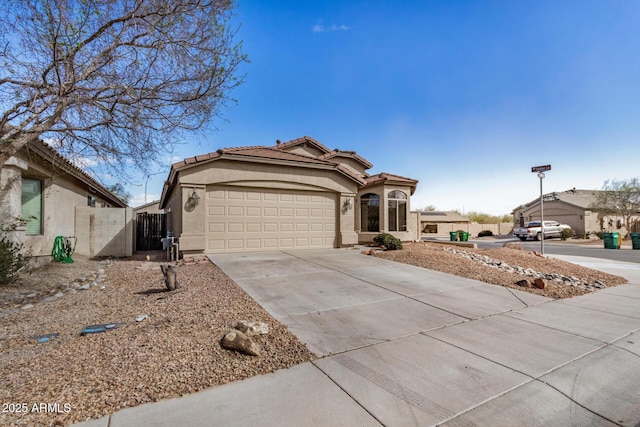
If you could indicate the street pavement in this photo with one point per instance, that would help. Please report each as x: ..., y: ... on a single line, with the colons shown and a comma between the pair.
x: 404, y: 346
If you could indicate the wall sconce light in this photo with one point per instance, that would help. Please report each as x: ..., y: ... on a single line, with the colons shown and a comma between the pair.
x: 348, y: 204
x: 194, y: 198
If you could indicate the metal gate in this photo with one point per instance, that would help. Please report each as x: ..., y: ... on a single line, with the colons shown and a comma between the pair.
x: 150, y: 229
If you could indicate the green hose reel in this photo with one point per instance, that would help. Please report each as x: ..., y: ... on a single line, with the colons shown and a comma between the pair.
x: 62, y: 249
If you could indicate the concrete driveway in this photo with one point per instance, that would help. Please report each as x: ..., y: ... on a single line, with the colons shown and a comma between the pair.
x: 411, y: 346
x: 405, y: 346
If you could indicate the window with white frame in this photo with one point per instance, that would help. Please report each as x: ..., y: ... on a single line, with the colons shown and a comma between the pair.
x: 370, y: 212
x: 32, y: 205
x: 397, y: 211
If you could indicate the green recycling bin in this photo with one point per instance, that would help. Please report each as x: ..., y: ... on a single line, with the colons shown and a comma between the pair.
x: 464, y: 236
x: 453, y: 235
x: 635, y: 240
x: 611, y: 240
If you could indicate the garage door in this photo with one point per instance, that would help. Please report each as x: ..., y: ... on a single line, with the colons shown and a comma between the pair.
x: 247, y: 219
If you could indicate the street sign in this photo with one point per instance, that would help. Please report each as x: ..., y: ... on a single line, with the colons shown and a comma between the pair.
x: 541, y: 168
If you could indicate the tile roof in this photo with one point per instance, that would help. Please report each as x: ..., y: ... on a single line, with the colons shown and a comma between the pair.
x: 279, y: 152
x: 256, y: 151
x: 302, y: 140
x: 350, y: 154
x: 51, y: 155
x: 384, y: 176
x: 273, y: 153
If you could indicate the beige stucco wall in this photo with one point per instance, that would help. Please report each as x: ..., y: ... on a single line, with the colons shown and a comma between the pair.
x: 472, y: 229
x: 251, y: 174
x: 347, y: 220
x: 104, y: 232
x: 413, y: 225
x: 174, y: 213
x: 193, y: 236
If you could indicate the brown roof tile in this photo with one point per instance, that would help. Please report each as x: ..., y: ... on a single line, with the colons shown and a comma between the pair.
x: 350, y: 154
x: 272, y: 153
x: 302, y: 140
x: 384, y: 176
x: 45, y: 150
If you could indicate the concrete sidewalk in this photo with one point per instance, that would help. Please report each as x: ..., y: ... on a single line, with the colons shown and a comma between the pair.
x: 404, y: 346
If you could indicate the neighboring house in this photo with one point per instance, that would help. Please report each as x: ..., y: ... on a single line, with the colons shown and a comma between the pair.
x: 56, y: 198
x: 297, y: 194
x: 572, y: 207
x: 150, y: 208
x: 434, y: 221
x: 150, y: 226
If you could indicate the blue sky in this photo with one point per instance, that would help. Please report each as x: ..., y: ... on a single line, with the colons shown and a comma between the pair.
x: 465, y: 96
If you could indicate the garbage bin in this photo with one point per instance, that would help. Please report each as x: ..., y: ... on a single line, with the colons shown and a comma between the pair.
x: 635, y: 240
x: 611, y: 240
x: 453, y: 235
x: 464, y: 236
x: 617, y: 240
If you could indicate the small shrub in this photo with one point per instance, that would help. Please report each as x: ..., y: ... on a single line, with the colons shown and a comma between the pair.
x: 484, y: 233
x: 599, y: 234
x: 388, y: 241
x: 13, y: 260
x: 567, y: 233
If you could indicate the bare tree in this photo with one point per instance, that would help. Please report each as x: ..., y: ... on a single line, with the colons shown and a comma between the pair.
x: 111, y: 80
x: 620, y: 198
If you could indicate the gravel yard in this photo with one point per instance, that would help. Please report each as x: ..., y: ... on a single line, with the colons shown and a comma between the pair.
x: 441, y: 257
x: 175, y: 351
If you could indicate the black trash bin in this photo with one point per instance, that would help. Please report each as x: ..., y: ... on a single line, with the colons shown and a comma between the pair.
x: 635, y: 240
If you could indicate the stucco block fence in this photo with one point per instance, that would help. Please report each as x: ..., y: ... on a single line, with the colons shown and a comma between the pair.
x: 100, y: 233
x: 104, y: 232
x: 472, y: 229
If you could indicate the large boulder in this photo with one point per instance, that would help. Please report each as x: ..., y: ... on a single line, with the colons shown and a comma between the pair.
x: 236, y: 340
x: 252, y: 329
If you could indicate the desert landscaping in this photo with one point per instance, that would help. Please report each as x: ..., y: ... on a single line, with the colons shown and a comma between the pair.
x: 174, y: 351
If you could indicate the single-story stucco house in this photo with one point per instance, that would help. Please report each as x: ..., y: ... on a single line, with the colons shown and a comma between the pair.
x: 573, y: 207
x: 53, y: 198
x: 433, y: 221
x: 293, y: 195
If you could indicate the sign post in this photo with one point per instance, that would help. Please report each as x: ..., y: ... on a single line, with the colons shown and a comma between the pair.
x: 541, y: 170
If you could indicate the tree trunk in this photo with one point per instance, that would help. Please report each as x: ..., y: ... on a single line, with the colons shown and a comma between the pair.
x: 170, y: 277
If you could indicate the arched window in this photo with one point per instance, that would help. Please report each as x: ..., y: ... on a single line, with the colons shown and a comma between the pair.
x: 370, y: 212
x: 397, y: 211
